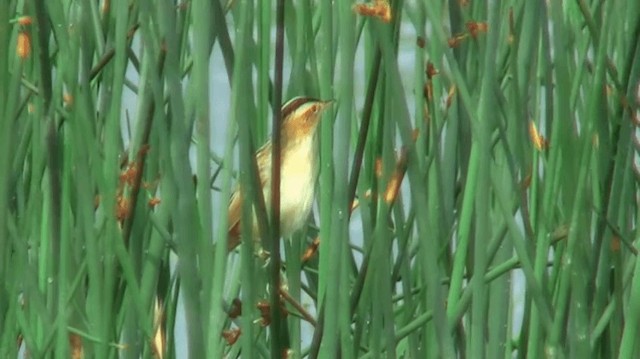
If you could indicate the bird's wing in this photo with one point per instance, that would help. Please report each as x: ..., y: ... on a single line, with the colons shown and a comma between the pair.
x: 235, y: 202
x: 235, y: 207
x: 263, y: 156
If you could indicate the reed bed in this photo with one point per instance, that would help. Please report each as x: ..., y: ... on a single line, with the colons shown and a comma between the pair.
x: 478, y: 193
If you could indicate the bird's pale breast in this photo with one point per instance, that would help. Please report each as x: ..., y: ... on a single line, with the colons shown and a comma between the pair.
x: 297, y: 186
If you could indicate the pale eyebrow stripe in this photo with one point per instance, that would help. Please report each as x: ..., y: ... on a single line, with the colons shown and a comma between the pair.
x: 295, y: 104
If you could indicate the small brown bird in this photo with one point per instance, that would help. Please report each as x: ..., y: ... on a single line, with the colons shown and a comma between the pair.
x: 298, y: 169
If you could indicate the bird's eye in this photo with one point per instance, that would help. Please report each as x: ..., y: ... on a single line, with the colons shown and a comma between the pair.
x: 313, y: 110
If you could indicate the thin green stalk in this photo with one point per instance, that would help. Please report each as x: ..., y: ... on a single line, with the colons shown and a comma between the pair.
x: 279, y: 337
x: 415, y: 179
x: 482, y: 145
x: 247, y: 175
x: 336, y: 300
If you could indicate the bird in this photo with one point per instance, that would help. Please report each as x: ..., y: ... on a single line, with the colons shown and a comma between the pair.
x: 298, y: 170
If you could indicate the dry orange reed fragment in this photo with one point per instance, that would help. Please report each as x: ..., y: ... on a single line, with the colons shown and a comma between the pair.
x: 450, y: 96
x: 24, y: 20
x: 67, y: 98
x: 231, y: 335
x: 378, y: 167
x: 476, y: 28
x: 265, y: 313
x: 128, y: 176
x: 393, y: 187
x: 23, y: 45
x: 123, y: 208
x: 235, y: 309
x: 473, y: 28
x: 153, y: 202
x: 431, y: 70
x: 75, y: 342
x: 159, y: 340
x: 456, y: 40
x: 427, y: 91
x: 311, y: 250
x: 379, y: 9
x: 539, y: 142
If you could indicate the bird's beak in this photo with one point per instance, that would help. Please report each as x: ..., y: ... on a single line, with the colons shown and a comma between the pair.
x: 328, y: 103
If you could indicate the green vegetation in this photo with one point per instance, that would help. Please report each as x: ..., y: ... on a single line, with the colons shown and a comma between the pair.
x: 512, y: 126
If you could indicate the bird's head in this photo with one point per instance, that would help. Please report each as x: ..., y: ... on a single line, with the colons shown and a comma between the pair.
x: 300, y: 117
